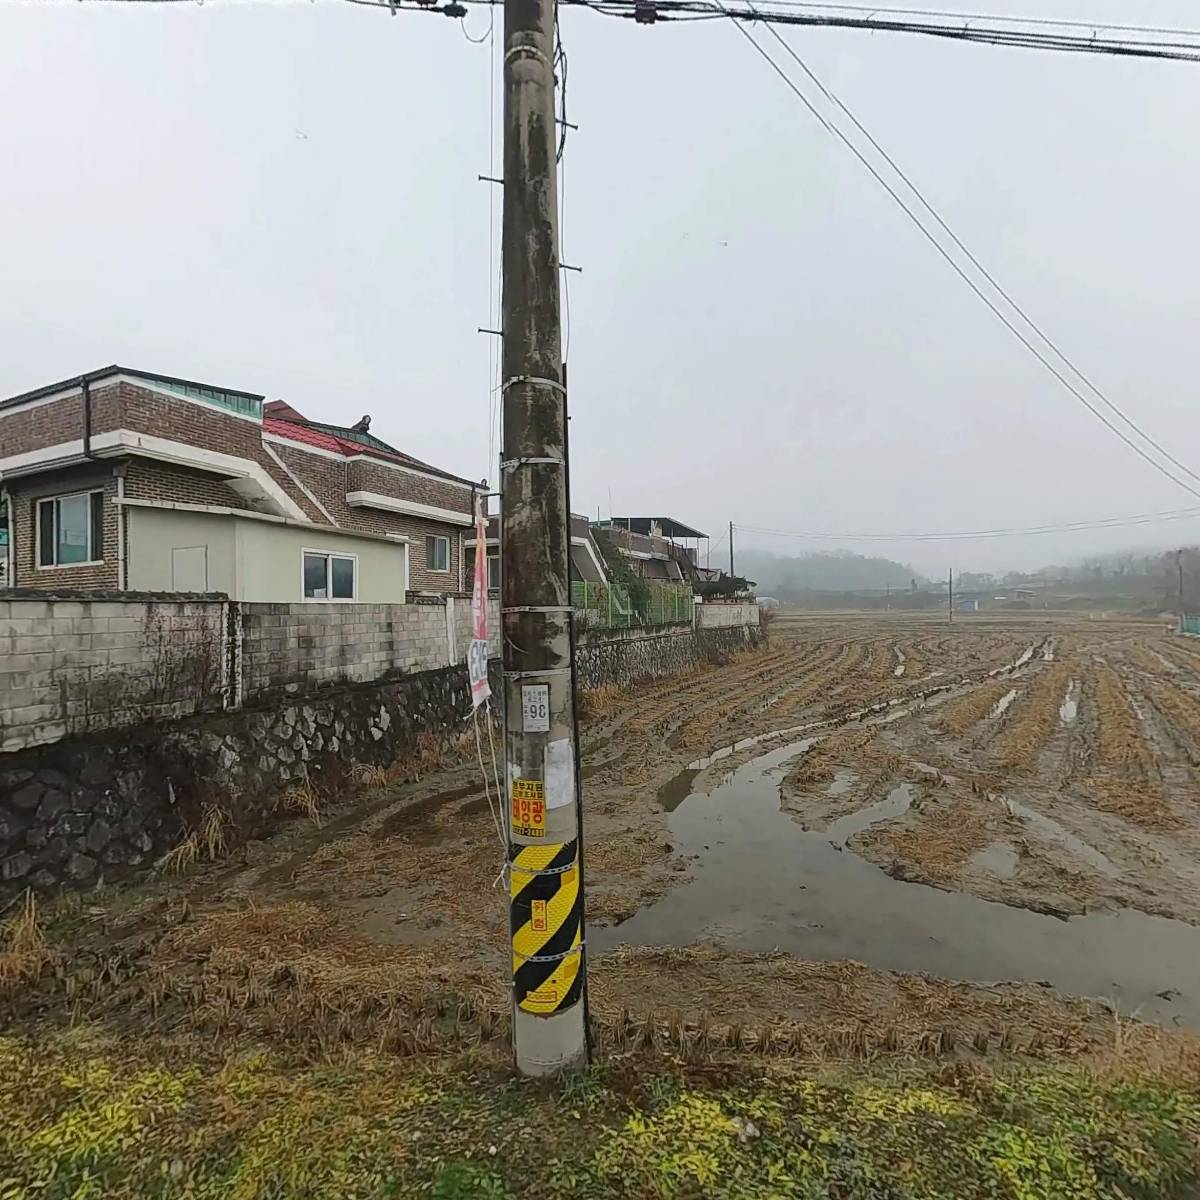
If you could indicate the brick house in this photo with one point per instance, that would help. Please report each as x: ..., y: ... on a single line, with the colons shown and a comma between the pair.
x: 126, y: 480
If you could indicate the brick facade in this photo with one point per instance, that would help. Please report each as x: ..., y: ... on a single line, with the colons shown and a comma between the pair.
x: 327, y: 479
x: 302, y: 474
x: 24, y: 495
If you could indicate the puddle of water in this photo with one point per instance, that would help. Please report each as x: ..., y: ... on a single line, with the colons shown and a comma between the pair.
x: 761, y: 882
x: 1001, y: 705
x: 898, y: 802
x: 998, y: 859
x: 1068, y: 710
x: 1019, y: 661
x: 843, y: 781
x: 1048, y: 650
x: 677, y: 789
x: 1064, y: 837
x: 900, y: 662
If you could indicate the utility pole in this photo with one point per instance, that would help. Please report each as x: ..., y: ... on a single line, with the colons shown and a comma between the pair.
x: 950, y: 601
x: 730, y: 549
x: 546, y: 894
x: 1179, y: 566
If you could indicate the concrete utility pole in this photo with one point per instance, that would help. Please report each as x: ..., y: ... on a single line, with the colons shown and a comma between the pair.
x: 731, y: 549
x: 1179, y: 566
x: 546, y: 905
x: 950, y: 601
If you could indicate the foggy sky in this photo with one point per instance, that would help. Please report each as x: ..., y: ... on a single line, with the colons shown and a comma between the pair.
x: 283, y: 198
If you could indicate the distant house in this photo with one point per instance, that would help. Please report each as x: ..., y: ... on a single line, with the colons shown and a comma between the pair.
x: 587, y: 564
x: 657, y: 547
x: 127, y: 480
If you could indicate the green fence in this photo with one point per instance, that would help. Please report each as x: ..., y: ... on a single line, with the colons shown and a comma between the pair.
x: 1190, y: 625
x: 609, y: 604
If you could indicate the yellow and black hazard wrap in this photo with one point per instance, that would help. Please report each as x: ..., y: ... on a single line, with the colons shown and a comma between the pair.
x: 546, y: 920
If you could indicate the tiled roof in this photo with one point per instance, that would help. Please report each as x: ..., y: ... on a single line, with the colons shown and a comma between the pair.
x: 324, y: 440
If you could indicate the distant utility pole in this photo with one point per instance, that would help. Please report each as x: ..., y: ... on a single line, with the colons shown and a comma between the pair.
x: 950, y: 602
x: 730, y: 549
x: 1179, y: 566
x: 546, y: 897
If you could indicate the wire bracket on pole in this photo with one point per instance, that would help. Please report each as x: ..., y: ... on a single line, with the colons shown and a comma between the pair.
x: 489, y: 179
x: 571, y: 866
x: 537, y: 674
x: 547, y: 958
x: 516, y: 379
x: 523, y: 51
x: 511, y: 464
x: 546, y: 608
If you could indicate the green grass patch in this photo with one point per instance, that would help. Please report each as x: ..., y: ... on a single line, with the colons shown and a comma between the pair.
x: 84, y: 1118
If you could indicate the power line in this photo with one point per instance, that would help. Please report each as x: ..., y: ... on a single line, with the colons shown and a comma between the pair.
x: 1041, y: 333
x: 959, y: 270
x: 878, y: 10
x: 652, y: 11
x: 1180, y: 514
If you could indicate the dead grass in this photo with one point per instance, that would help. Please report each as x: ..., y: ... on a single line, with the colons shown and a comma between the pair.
x: 958, y: 716
x: 1035, y: 720
x: 24, y: 950
x: 1144, y: 660
x: 304, y: 799
x: 598, y: 704
x: 945, y: 834
x: 1180, y: 709
x: 862, y: 750
x: 366, y: 775
x: 209, y: 840
x: 1138, y: 802
x: 1120, y: 742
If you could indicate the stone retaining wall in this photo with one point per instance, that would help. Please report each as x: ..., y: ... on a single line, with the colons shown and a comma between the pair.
x: 95, y: 807
x: 621, y: 657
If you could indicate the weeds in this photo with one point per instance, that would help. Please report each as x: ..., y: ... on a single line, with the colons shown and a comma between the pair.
x: 369, y: 776
x: 209, y: 841
x: 24, y: 950
x: 303, y: 798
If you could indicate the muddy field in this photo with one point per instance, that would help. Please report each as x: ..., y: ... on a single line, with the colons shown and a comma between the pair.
x: 878, y: 831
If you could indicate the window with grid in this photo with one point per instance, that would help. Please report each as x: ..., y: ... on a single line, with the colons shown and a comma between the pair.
x: 437, y: 554
x: 71, y: 529
x: 330, y: 576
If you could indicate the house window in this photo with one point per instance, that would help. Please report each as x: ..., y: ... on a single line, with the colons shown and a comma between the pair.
x: 330, y: 576
x: 71, y: 529
x: 493, y: 571
x: 437, y: 554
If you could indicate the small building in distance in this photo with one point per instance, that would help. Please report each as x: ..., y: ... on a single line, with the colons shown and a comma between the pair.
x: 657, y: 548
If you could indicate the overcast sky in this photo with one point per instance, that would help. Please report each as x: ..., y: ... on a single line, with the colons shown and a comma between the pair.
x: 283, y: 198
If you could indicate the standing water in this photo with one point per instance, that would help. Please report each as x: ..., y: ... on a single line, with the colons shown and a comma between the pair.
x: 762, y: 883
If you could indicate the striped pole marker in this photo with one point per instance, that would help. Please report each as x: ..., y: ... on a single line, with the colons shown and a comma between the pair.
x: 546, y: 920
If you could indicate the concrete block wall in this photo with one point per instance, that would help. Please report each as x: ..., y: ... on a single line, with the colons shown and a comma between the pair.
x: 70, y: 666
x: 716, y: 615
x: 296, y: 649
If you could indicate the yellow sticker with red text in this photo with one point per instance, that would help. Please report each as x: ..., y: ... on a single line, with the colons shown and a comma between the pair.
x: 528, y: 808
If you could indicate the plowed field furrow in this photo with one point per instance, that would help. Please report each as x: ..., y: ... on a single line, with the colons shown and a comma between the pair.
x: 1034, y: 721
x: 965, y: 712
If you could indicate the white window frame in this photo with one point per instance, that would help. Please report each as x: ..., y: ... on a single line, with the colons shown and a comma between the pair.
x: 437, y: 537
x: 493, y: 558
x: 38, y: 501
x: 318, y: 552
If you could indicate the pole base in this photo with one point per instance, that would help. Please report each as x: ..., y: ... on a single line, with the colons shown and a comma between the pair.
x: 547, y: 1045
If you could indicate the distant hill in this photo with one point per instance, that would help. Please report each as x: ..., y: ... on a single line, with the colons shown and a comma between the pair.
x: 839, y: 571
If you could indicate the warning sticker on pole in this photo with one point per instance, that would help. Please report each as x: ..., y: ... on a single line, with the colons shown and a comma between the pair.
x: 477, y: 655
x: 528, y: 808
